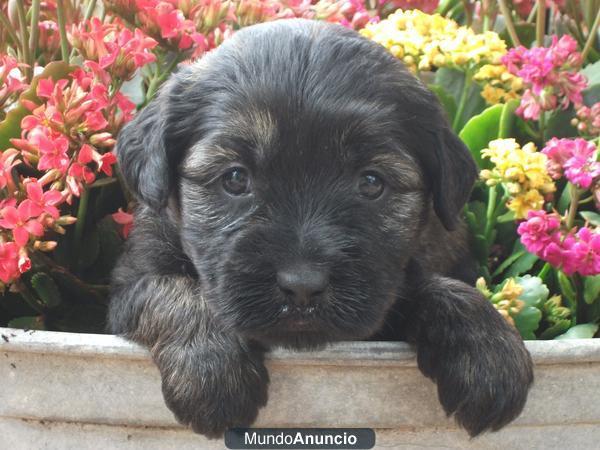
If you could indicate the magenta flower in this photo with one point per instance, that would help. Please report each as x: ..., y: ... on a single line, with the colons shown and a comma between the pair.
x: 573, y: 158
x: 582, y: 254
x: 538, y: 230
x: 572, y: 252
x: 550, y: 74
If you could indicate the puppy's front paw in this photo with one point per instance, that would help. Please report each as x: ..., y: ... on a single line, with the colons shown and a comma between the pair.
x: 210, y: 390
x: 482, y: 368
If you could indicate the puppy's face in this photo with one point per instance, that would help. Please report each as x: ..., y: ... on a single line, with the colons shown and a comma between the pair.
x: 293, y: 155
x: 300, y: 222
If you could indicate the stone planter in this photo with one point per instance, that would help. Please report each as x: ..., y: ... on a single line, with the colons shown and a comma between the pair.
x: 83, y: 391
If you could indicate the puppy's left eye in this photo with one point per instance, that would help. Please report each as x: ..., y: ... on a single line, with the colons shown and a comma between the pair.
x: 236, y: 181
x: 370, y: 185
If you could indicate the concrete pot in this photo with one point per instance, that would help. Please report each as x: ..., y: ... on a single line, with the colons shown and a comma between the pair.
x: 84, y: 391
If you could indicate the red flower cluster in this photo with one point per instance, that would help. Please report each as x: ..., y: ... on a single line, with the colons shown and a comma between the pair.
x: 11, y: 78
x: 116, y: 48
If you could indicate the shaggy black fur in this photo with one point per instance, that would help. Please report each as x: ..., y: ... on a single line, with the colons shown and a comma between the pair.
x: 298, y: 186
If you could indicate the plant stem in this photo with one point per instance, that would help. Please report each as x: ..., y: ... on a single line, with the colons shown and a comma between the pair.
x: 542, y: 124
x: 532, y: 13
x: 29, y: 297
x: 89, y: 10
x: 35, y: 31
x: 23, y: 32
x: 545, y: 270
x: 591, y: 38
x: 572, y: 214
x: 462, y: 101
x: 510, y: 25
x: 62, y: 26
x: 10, y: 29
x: 530, y: 131
x: 540, y: 23
x: 158, y: 78
x: 80, y: 224
x: 490, y: 215
x: 468, y: 12
x: 485, y: 6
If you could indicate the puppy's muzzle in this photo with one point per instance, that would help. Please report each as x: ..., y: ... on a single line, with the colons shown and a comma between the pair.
x: 303, y: 285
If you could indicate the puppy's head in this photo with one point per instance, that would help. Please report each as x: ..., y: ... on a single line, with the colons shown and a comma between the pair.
x: 304, y: 161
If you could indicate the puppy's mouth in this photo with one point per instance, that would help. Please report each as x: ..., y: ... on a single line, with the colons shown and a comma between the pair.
x: 298, y: 318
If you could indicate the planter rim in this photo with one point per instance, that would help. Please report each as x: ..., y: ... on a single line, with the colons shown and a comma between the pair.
x: 342, y: 353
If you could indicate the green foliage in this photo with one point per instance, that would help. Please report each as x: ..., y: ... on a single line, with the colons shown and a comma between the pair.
x: 583, y: 331
x: 46, y: 289
x: 453, y: 81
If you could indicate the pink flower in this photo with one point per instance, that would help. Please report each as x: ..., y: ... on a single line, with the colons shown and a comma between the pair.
x: 582, y: 254
x: 115, y: 47
x: 575, y: 158
x: 20, y: 221
x: 11, y: 78
x: 53, y: 151
x: 9, y: 256
x: 538, y: 230
x: 427, y: 6
x: 572, y: 252
x: 39, y: 202
x: 7, y: 162
x: 125, y: 219
x: 551, y: 76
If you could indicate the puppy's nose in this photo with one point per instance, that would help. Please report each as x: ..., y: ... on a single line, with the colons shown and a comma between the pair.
x: 302, y: 283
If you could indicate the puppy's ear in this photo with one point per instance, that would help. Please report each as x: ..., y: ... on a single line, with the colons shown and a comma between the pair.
x: 452, y: 173
x: 145, y: 157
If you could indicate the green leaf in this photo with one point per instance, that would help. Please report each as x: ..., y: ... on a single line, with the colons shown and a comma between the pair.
x: 591, y: 289
x: 507, y: 119
x: 507, y: 262
x: 565, y: 200
x: 592, y: 73
x: 527, y: 321
x: 525, y: 31
x: 521, y: 265
x: 445, y: 99
x: 452, y: 81
x: 558, y: 328
x: 508, y: 216
x: 10, y: 127
x: 583, y: 331
x: 535, y: 292
x: 480, y: 130
x: 591, y: 95
x: 591, y: 217
x: 28, y: 323
x: 566, y: 287
x: 46, y: 289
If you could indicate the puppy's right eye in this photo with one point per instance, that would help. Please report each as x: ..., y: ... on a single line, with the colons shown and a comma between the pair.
x: 236, y: 181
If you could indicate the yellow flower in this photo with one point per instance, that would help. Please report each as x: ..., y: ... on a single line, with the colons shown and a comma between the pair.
x: 426, y: 41
x: 523, y: 173
x: 523, y: 203
x: 499, y: 85
x: 511, y: 290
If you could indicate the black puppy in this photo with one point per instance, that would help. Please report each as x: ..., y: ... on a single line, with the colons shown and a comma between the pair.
x: 298, y: 186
